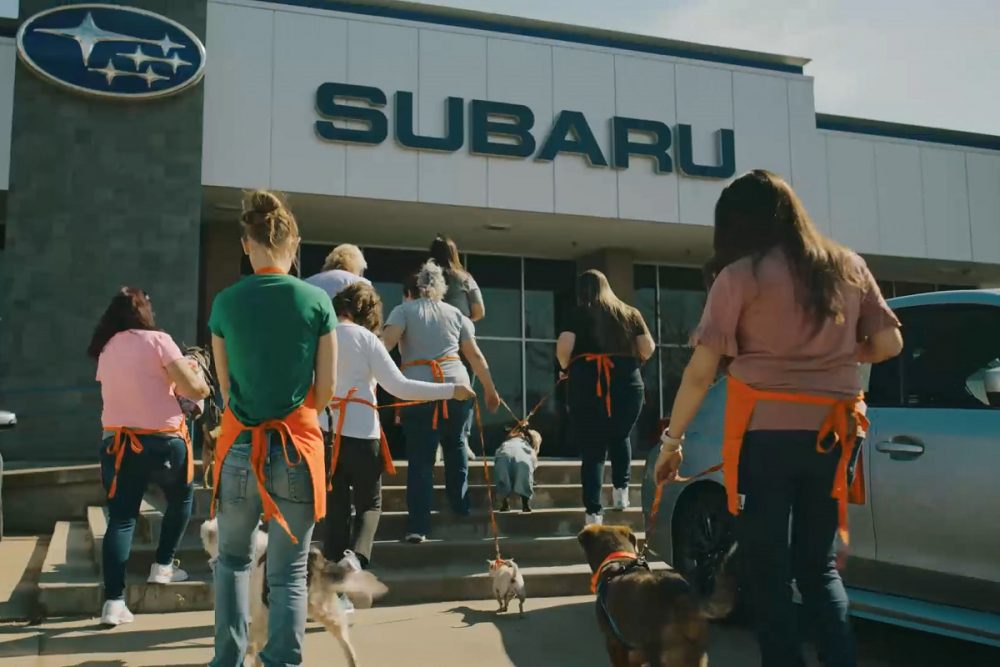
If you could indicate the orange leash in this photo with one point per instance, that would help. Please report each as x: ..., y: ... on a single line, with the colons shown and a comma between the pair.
x: 128, y: 438
x: 489, y: 484
x: 654, y: 509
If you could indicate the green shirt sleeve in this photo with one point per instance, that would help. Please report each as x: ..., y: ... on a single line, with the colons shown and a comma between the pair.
x: 326, y: 320
x: 216, y: 319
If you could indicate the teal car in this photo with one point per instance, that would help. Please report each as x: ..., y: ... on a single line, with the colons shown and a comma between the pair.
x: 925, y: 548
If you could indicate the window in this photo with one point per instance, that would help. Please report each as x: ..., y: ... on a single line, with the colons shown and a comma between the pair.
x: 946, y: 352
x: 671, y: 300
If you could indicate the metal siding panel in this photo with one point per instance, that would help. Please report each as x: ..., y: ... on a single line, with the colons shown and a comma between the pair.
x: 311, y: 50
x: 451, y: 65
x: 521, y: 73
x: 383, y: 56
x: 808, y: 154
x: 984, y: 205
x: 946, y: 204
x: 236, y: 144
x: 704, y: 101
x: 584, y: 81
x: 853, y: 197
x: 760, y: 104
x: 644, y: 88
x: 900, y: 205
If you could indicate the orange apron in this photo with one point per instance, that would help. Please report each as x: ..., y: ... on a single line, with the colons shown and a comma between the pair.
x: 128, y: 438
x: 438, y: 374
x: 340, y: 404
x: 300, y: 430
x: 604, y: 366
x: 843, y: 420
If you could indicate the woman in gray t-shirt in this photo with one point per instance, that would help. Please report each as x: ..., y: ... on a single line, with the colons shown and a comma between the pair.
x: 430, y: 335
x: 463, y: 292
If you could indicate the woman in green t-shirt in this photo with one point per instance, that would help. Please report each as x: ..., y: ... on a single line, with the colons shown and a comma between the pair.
x: 275, y: 355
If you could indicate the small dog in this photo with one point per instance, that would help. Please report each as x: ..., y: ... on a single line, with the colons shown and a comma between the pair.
x: 514, y: 466
x: 325, y: 581
x: 648, y: 617
x: 206, y: 413
x: 508, y: 583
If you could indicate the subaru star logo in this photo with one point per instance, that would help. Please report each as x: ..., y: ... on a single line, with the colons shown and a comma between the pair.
x: 111, y: 51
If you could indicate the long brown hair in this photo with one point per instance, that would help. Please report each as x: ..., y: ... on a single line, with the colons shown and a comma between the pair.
x: 130, y: 308
x: 759, y: 212
x: 362, y: 304
x: 444, y: 251
x: 614, y: 322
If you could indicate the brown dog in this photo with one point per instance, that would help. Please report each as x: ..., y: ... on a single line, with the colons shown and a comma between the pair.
x: 648, y: 617
x: 209, y: 418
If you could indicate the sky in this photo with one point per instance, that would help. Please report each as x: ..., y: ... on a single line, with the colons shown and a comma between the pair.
x: 924, y: 62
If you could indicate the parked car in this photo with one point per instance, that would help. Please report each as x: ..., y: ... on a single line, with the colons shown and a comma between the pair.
x: 7, y: 420
x: 925, y: 549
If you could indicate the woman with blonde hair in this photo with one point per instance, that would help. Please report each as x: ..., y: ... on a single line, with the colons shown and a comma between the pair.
x: 430, y: 335
x: 275, y: 356
x: 602, y: 350
x: 795, y: 312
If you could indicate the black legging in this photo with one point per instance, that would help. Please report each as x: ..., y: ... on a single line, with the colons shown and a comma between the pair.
x: 599, y: 436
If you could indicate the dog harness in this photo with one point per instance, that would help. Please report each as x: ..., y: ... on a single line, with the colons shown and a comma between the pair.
x: 299, y: 430
x: 438, y: 373
x: 843, y: 421
x: 340, y: 404
x: 125, y: 437
x: 617, y: 564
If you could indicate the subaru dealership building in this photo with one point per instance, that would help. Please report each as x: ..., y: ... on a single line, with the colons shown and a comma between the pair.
x: 127, y: 132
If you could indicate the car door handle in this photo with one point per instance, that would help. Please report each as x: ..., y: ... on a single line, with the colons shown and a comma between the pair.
x: 901, y: 448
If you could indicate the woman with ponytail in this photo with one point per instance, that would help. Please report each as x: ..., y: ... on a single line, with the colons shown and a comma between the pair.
x: 275, y: 354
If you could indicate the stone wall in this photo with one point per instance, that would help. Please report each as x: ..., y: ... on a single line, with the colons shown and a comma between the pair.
x: 103, y: 193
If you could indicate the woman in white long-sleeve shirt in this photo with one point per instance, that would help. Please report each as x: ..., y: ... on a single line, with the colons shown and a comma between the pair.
x: 362, y: 363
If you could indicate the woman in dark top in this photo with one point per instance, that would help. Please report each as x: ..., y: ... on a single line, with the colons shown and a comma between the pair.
x: 463, y: 291
x: 602, y: 349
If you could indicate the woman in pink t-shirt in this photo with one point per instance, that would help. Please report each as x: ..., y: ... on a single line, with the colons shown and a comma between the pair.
x: 142, y: 372
x: 796, y: 313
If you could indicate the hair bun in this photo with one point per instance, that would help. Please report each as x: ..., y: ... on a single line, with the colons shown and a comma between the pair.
x: 263, y: 202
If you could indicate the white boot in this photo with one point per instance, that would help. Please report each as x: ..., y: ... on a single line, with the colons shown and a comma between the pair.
x: 593, y: 520
x: 621, y: 500
x: 115, y: 613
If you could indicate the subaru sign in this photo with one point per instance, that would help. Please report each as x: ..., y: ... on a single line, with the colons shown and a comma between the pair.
x: 111, y: 51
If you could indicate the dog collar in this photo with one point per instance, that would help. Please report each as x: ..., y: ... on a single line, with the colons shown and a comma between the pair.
x: 612, y: 558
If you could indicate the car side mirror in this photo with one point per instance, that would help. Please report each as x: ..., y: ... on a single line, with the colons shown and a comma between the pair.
x: 991, y: 382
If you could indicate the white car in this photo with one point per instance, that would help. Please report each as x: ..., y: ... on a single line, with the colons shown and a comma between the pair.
x: 925, y: 549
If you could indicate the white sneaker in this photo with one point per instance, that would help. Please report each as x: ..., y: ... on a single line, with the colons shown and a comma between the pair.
x: 593, y: 520
x: 345, y: 603
x: 115, y: 613
x: 621, y: 500
x: 415, y: 538
x: 350, y: 561
x: 166, y: 574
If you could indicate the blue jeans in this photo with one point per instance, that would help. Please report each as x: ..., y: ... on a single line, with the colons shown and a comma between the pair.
x: 239, y: 509
x: 163, y: 461
x: 421, y: 446
x: 782, y: 474
x: 599, y: 436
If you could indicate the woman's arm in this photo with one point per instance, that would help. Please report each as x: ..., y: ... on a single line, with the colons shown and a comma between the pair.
x: 644, y: 346
x: 564, y: 348
x: 326, y: 370
x: 881, y: 346
x: 391, y: 335
x: 387, y: 374
x: 187, y: 381
x: 477, y: 311
x: 221, y: 367
x: 697, y: 379
x: 482, y: 370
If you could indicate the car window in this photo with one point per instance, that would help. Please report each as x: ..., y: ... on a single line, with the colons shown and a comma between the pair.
x: 946, y: 351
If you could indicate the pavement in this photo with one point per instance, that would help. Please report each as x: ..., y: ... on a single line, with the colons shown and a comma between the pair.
x: 556, y: 631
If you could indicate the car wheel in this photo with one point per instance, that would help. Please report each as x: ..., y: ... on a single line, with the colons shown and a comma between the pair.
x: 704, y: 532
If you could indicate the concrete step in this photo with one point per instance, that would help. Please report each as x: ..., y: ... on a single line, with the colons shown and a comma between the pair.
x: 394, y: 498
x: 556, y: 522
x: 454, y: 583
x: 549, y: 471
